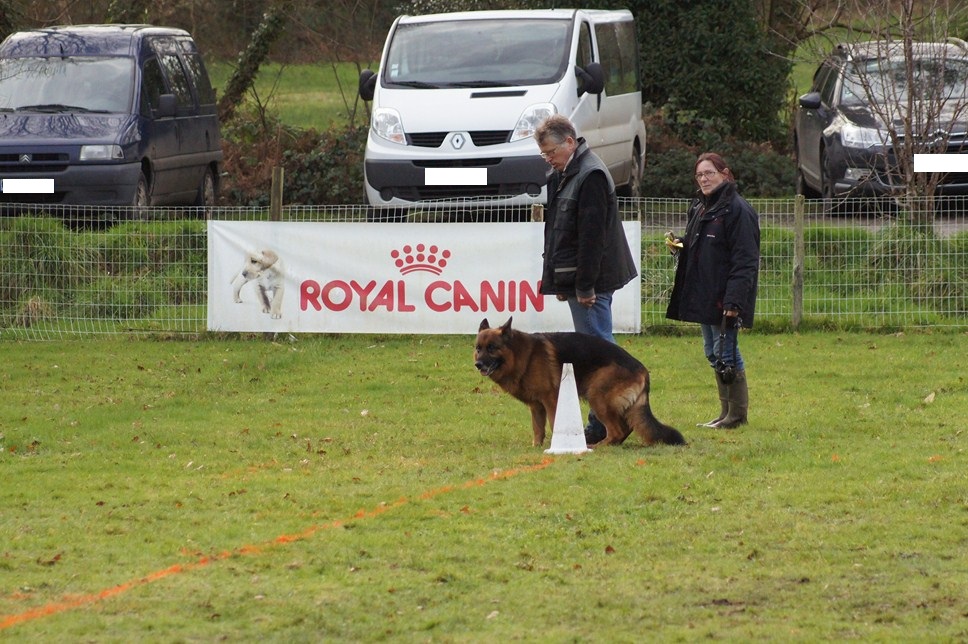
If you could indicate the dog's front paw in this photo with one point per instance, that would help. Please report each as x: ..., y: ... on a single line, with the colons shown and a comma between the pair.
x: 238, y: 300
x: 276, y: 316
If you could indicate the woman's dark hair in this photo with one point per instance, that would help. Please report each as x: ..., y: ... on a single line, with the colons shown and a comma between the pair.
x: 717, y: 162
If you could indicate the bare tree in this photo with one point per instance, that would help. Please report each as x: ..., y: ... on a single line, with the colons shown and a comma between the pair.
x: 346, y: 31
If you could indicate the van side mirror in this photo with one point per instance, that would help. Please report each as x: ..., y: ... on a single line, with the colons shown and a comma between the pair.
x: 591, y: 79
x: 367, y: 84
x: 167, y: 106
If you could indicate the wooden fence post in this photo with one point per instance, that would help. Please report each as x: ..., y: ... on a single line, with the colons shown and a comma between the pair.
x: 275, y: 194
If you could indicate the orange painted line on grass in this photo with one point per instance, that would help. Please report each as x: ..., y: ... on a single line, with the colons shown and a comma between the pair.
x: 79, y: 601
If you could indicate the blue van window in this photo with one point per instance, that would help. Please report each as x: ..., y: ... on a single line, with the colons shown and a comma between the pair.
x: 152, y: 86
x: 196, y: 69
x: 178, y: 80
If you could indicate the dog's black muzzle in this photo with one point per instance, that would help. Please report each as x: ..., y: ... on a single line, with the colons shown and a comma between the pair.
x: 488, y: 366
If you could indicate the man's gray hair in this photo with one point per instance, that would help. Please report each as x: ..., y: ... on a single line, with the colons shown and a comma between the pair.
x: 557, y: 128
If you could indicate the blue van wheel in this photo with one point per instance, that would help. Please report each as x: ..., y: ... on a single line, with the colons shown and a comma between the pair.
x: 142, y: 200
x: 207, y: 191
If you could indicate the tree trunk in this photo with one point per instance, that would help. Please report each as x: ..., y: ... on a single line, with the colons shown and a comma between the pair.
x: 255, y: 53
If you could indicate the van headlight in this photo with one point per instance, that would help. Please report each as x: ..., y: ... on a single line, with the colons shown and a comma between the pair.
x: 388, y: 125
x: 854, y: 136
x: 530, y: 119
x: 101, y: 153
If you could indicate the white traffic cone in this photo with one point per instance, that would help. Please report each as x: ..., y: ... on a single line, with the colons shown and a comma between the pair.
x: 568, y: 434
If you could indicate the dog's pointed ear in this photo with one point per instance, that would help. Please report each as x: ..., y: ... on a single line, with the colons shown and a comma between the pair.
x: 484, y: 325
x: 507, y: 325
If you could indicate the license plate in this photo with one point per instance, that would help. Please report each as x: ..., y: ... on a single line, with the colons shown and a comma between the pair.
x: 455, y: 176
x: 27, y: 186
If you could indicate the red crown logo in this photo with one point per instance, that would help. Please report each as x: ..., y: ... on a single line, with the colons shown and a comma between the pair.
x: 420, y: 258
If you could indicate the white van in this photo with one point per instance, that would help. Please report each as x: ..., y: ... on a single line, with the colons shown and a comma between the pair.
x: 458, y: 96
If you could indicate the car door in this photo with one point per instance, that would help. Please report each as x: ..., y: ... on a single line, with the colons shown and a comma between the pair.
x: 183, y: 167
x: 813, y: 121
x: 621, y: 99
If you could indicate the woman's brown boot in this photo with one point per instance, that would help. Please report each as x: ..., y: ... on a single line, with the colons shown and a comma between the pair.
x: 738, y: 398
x: 723, y: 403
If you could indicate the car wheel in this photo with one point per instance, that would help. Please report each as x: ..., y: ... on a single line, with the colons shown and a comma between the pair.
x: 803, y: 188
x: 833, y: 204
x: 826, y: 183
x: 827, y: 186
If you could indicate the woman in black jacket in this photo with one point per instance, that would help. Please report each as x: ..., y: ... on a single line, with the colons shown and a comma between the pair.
x: 716, y: 278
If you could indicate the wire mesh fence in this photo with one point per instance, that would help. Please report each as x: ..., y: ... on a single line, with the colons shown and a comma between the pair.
x: 851, y: 264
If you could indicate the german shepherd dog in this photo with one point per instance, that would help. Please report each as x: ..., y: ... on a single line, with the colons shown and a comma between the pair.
x: 615, y: 384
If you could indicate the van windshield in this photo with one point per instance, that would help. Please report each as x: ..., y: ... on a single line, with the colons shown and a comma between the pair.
x: 478, y: 53
x: 67, y: 84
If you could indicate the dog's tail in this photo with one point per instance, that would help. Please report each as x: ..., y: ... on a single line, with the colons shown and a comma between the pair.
x: 656, y: 431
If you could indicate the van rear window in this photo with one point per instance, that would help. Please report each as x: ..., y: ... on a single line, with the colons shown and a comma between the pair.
x: 478, y: 53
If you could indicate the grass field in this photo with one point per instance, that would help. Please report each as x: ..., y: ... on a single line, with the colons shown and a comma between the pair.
x: 361, y: 488
x: 318, y: 96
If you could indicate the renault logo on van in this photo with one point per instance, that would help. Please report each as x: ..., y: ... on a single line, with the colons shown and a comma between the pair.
x: 457, y: 141
x: 25, y: 158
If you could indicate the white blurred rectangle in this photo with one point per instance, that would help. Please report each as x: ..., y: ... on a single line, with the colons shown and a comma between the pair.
x: 455, y: 176
x: 941, y: 162
x: 27, y: 186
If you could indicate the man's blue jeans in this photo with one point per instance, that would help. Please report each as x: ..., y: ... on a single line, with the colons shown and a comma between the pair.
x: 596, y: 320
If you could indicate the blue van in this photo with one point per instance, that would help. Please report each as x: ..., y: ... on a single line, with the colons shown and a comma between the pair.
x: 107, y: 115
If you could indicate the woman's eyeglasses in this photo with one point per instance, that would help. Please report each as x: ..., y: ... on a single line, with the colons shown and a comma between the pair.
x: 708, y: 173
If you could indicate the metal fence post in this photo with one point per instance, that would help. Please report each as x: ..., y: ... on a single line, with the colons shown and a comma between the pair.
x: 798, y: 260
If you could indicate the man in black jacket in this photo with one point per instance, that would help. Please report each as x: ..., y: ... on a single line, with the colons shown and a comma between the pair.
x: 586, y: 255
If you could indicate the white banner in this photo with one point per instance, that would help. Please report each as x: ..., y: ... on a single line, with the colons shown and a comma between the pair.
x: 389, y: 278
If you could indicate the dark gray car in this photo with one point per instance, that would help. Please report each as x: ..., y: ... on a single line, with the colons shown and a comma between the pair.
x: 107, y: 115
x: 859, y: 97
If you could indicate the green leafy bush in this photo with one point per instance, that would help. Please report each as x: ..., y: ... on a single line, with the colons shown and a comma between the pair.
x: 677, y: 137
x: 320, y: 168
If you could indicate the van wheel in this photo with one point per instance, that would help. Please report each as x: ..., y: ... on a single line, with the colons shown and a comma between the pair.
x: 142, y: 196
x: 634, y: 187
x: 207, y: 191
x: 142, y: 200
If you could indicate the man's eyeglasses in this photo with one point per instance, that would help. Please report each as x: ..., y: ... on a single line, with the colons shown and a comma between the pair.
x: 708, y: 173
x: 548, y: 155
